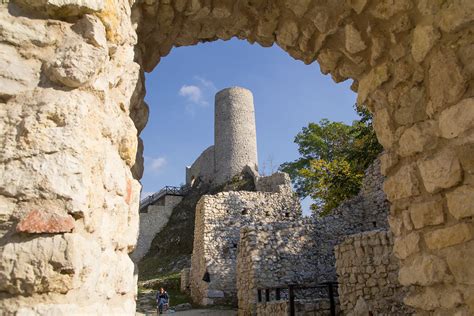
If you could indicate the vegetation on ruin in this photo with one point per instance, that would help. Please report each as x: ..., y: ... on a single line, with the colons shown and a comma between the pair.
x: 333, y: 159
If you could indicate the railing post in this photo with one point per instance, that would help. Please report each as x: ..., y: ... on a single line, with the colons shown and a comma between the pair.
x: 292, y: 300
x: 259, y: 295
x: 277, y: 294
x: 267, y: 295
x: 331, y: 299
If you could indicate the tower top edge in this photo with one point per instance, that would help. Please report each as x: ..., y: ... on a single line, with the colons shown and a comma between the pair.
x: 233, y: 90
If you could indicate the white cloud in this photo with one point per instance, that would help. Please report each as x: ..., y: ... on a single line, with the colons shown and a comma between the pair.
x: 198, y: 93
x: 157, y: 164
x: 193, y: 94
x: 206, y: 83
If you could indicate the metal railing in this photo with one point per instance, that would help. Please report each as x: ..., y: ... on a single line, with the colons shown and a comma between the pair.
x: 167, y: 190
x: 330, y: 286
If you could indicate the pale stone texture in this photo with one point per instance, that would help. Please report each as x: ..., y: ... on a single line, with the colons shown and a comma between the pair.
x: 461, y: 202
x: 72, y: 149
x: 448, y: 236
x: 457, y: 119
x: 367, y: 274
x: 424, y: 37
x: 152, y: 220
x: 440, y: 171
x: 16, y: 73
x: 427, y: 213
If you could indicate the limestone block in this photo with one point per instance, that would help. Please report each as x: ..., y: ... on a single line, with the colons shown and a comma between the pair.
x: 396, y: 225
x: 372, y: 81
x: 45, y: 221
x: 460, y: 260
x: 16, y: 73
x: 388, y: 160
x: 385, y: 9
x: 288, y: 33
x: 299, y: 7
x: 424, y: 38
x: 406, y: 246
x: 418, y: 138
x: 423, y: 270
x: 446, y: 81
x: 23, y: 31
x: 43, y: 264
x: 406, y: 220
x: 461, y: 202
x: 427, y: 213
x: 456, y: 16
x: 427, y: 300
x: 411, y: 105
x: 383, y: 125
x: 357, y: 5
x: 448, y: 236
x: 429, y: 7
x: 92, y: 29
x: 404, y: 183
x: 76, y: 64
x: 457, y: 119
x: 354, y: 41
x: 440, y: 171
x: 64, y: 8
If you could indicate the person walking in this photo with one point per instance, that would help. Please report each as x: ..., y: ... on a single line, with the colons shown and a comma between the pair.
x: 162, y: 300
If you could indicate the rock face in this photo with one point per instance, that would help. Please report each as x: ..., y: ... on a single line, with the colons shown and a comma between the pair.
x: 69, y: 132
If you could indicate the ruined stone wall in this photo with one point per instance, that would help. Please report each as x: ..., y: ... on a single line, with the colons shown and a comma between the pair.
x: 367, y: 269
x: 276, y: 254
x: 219, y: 219
x: 365, y: 212
x: 152, y: 221
x: 203, y: 168
x: 319, y: 307
x: 277, y: 182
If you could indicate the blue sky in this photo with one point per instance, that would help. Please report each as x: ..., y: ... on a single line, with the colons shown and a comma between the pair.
x: 180, y: 92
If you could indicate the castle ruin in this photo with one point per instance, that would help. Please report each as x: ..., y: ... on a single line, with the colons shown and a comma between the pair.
x: 72, y: 109
x: 235, y: 140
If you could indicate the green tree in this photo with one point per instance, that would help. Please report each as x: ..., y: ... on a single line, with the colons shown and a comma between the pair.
x: 333, y: 159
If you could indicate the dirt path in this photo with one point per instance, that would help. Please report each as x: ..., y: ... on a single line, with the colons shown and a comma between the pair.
x: 197, y: 312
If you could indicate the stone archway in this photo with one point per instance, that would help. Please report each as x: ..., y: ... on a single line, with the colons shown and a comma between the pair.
x: 71, y: 98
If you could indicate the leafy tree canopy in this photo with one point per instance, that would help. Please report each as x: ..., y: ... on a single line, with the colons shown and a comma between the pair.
x: 333, y: 159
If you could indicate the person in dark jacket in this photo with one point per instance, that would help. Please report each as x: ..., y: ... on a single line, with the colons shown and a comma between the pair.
x: 162, y: 300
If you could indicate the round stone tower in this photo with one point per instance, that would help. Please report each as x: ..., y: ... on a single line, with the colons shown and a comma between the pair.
x: 235, y: 136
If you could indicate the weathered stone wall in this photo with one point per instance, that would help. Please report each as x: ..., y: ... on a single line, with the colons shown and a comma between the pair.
x: 203, y: 168
x: 72, y: 107
x: 320, y: 307
x: 152, y: 221
x: 365, y: 212
x: 276, y: 254
x: 216, y: 236
x: 367, y: 269
x: 277, y: 182
x: 184, y: 281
